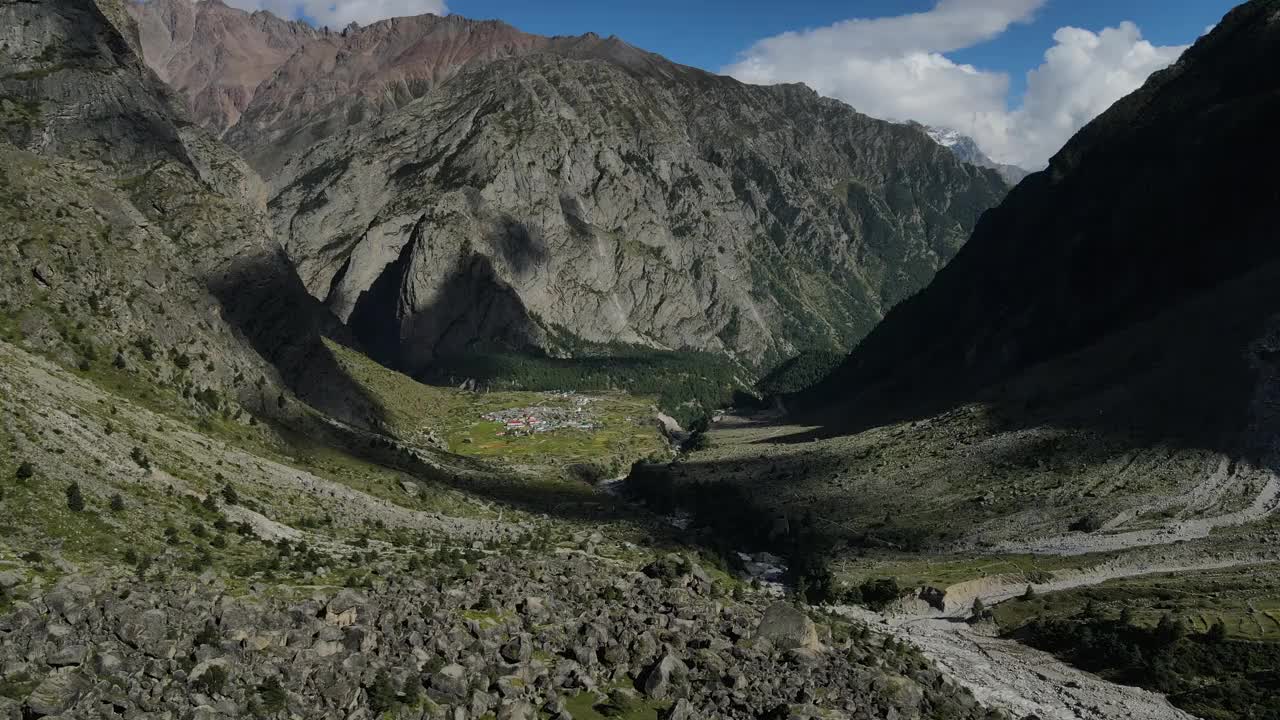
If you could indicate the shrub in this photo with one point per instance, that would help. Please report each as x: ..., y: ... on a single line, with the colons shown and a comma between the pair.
x: 25, y: 471
x: 697, y: 441
x: 139, y: 456
x: 878, y: 594
x: 411, y: 690
x: 208, y: 635
x: 212, y: 681
x: 209, y: 398
x: 75, y: 501
x: 979, y: 609
x: 273, y: 695
x: 117, y: 503
x: 382, y: 694
x: 1089, y: 523
x: 229, y: 495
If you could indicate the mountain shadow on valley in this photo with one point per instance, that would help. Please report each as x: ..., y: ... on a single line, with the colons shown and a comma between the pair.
x: 263, y: 299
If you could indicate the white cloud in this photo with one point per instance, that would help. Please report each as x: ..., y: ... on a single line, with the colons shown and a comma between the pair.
x: 896, y: 68
x: 337, y: 14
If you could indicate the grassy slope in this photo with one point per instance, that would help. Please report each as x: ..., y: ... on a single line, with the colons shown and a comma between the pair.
x: 1246, y: 601
x: 412, y: 409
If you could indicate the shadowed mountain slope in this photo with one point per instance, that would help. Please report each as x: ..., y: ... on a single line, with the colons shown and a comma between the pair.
x: 1154, y: 214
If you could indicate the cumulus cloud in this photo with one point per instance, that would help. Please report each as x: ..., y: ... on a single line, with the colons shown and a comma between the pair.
x: 896, y: 68
x: 340, y: 13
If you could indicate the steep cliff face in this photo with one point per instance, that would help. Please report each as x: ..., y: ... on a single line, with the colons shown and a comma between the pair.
x: 1151, y: 234
x: 141, y: 247
x: 213, y: 55
x: 445, y: 184
x: 612, y: 196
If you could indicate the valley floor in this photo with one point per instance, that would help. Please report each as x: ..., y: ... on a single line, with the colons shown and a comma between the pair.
x: 275, y: 514
x: 1200, y: 544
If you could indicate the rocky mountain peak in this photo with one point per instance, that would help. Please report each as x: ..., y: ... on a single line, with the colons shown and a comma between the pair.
x: 967, y: 149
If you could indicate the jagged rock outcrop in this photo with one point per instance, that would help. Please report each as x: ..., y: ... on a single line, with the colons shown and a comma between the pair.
x: 275, y: 87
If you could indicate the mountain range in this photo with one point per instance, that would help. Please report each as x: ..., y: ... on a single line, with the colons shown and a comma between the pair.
x: 444, y: 185
x: 235, y: 244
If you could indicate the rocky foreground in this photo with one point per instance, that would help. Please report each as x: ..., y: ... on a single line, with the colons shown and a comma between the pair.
x: 533, y: 637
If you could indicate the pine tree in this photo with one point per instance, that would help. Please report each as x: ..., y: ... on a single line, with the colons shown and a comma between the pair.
x: 25, y: 471
x: 979, y: 608
x: 75, y: 501
x: 382, y: 694
x: 1029, y: 594
x: 1126, y: 616
x: 1169, y: 631
x: 1217, y: 632
x: 117, y: 503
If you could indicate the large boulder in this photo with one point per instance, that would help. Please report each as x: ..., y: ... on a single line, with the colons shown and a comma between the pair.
x: 666, y: 678
x: 787, y: 628
x: 450, y: 683
x: 145, y: 631
x: 56, y: 693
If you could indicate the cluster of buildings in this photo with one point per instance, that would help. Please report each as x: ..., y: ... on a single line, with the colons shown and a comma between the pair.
x: 545, y: 418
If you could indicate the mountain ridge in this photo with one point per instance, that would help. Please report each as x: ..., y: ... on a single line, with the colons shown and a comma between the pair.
x: 967, y: 149
x: 332, y: 123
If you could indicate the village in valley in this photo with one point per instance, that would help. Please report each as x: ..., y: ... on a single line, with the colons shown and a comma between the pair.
x: 573, y: 414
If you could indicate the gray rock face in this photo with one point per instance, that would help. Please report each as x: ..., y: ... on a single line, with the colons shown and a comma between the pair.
x: 57, y: 693
x: 546, y: 200
x: 787, y: 628
x: 665, y: 678
x: 444, y: 183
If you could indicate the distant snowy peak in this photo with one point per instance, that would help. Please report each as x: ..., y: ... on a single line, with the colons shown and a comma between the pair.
x: 947, y: 138
x: 968, y: 151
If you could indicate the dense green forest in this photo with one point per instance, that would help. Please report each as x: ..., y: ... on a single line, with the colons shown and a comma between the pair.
x: 1205, y: 674
x: 800, y: 372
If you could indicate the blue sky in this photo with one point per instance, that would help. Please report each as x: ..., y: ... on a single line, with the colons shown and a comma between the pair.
x: 711, y: 33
